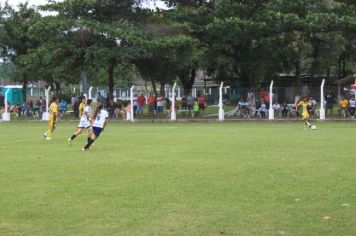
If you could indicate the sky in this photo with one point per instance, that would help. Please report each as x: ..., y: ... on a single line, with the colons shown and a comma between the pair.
x: 149, y: 4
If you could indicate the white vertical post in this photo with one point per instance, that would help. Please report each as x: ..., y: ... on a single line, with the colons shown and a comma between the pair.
x: 6, y: 114
x: 271, y: 111
x: 322, y: 101
x: 31, y: 90
x: 45, y: 115
x: 195, y: 92
x: 178, y: 92
x: 221, y: 110
x: 132, y: 105
x: 90, y: 89
x: 173, y: 112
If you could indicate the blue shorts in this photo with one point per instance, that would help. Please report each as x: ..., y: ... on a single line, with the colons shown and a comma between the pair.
x: 97, y: 131
x: 159, y: 109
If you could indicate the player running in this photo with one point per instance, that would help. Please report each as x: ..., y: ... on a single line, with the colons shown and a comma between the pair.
x: 305, y: 104
x: 84, y: 123
x: 100, y: 121
x: 53, y: 118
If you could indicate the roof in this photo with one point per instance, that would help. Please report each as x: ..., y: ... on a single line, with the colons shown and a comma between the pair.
x: 351, y: 79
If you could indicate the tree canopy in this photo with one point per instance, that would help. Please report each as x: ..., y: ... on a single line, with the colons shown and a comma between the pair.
x: 232, y: 40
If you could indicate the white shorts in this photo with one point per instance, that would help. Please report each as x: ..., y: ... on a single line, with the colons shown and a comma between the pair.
x: 84, y: 124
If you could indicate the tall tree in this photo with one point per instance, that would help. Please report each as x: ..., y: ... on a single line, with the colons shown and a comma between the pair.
x: 14, y: 39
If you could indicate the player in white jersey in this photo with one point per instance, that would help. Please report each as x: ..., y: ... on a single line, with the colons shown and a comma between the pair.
x: 99, y: 123
x: 84, y: 123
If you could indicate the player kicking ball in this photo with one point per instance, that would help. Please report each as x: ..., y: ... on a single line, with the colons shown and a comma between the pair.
x: 305, y: 114
x: 99, y: 123
x: 84, y: 122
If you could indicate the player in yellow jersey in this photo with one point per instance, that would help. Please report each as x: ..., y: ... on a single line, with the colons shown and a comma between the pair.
x: 53, y: 118
x: 305, y: 104
x: 82, y: 105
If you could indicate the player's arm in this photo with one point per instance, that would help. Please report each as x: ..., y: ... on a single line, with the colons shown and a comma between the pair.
x: 105, y: 123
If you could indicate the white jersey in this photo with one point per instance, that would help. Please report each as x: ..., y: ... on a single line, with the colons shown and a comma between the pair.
x: 352, y: 103
x: 84, y: 121
x: 100, y: 119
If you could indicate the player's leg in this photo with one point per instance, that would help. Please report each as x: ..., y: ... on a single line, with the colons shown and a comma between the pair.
x: 48, y: 133
x: 94, y: 135
x: 77, y: 132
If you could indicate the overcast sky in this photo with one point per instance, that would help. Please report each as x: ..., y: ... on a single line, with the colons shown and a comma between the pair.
x: 150, y: 4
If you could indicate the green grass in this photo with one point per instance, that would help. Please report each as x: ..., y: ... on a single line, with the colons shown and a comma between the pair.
x: 179, y: 179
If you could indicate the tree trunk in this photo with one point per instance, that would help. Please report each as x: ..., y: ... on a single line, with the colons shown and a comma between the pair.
x: 24, y: 88
x: 188, y: 81
x: 111, y: 81
x: 297, y: 75
x: 58, y: 88
x: 154, y: 87
x: 161, y: 89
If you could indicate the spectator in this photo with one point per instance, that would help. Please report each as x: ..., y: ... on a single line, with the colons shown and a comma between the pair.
x: 30, y: 107
x: 184, y: 104
x: 160, y: 104
x: 329, y: 99
x: 352, y: 106
x: 202, y: 103
x: 343, y: 107
x: 127, y: 111
x: 196, y: 107
x: 140, y: 104
x: 135, y: 104
x: 190, y: 103
x: 242, y: 108
x: 62, y: 107
x: 262, y: 110
x: 73, y: 101
x: 37, y: 111
x: 23, y: 109
x: 313, y: 106
x: 285, y: 110
x: 168, y: 104
x: 276, y: 108
x: 151, y: 105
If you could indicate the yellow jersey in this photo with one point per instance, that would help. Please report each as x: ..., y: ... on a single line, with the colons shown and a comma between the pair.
x: 53, y: 109
x: 305, y: 106
x: 81, y: 109
x: 344, y: 103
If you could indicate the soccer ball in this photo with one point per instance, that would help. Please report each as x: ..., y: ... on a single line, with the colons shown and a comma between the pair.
x: 313, y: 127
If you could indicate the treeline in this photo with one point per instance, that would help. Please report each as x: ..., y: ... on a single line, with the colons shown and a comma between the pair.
x: 117, y: 42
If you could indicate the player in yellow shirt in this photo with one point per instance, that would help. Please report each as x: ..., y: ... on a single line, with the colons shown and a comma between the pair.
x: 343, y: 107
x: 305, y: 104
x: 53, y: 118
x: 82, y: 105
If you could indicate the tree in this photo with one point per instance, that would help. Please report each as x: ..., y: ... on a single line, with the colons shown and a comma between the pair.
x: 14, y: 39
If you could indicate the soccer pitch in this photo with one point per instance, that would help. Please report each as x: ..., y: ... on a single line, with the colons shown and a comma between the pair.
x: 179, y: 179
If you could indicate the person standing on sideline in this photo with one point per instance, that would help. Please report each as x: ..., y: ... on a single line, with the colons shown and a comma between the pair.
x: 343, y: 107
x: 151, y: 105
x: 329, y: 99
x: 53, y: 118
x: 84, y: 122
x: 100, y: 121
x: 305, y: 104
x: 141, y: 100
x: 352, y: 106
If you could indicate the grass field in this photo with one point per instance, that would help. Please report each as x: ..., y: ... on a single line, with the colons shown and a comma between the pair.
x: 179, y: 179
